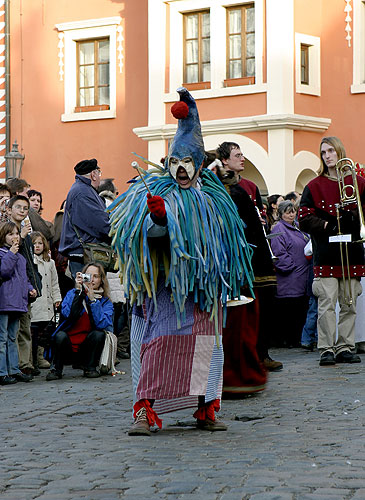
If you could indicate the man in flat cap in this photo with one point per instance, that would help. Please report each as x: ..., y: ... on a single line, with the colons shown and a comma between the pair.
x: 85, y: 211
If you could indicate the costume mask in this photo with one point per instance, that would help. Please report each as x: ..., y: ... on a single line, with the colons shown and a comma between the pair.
x: 186, y: 163
x: 187, y: 148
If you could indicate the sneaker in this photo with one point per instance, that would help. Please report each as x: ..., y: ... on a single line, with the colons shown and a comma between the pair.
x: 140, y: 426
x: 347, y: 357
x: 211, y: 425
x: 7, y: 380
x: 35, y: 371
x: 308, y: 347
x: 22, y: 377
x: 53, y: 375
x: 327, y: 358
x: 91, y: 374
x: 272, y: 365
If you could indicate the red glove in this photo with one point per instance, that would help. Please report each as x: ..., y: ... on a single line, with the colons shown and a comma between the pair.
x: 156, y: 206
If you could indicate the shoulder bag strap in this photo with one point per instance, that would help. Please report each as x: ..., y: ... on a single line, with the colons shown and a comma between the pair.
x: 74, y: 228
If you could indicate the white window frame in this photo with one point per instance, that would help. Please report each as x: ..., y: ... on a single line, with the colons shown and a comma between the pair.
x: 314, y: 60
x: 218, y: 40
x: 358, y: 78
x: 73, y: 33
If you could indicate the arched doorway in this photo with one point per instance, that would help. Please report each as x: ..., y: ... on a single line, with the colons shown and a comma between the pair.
x: 303, y: 178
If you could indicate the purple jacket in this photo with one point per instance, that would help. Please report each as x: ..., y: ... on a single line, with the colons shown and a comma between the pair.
x: 16, y: 286
x: 292, y: 266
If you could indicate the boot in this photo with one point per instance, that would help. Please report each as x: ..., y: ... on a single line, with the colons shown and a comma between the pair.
x: 140, y: 426
x: 271, y: 365
x: 205, y: 416
x: 41, y: 362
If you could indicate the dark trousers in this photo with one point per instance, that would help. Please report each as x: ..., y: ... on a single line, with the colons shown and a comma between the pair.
x: 88, y: 355
x: 265, y: 296
x: 122, y: 326
x: 37, y: 328
x: 291, y: 313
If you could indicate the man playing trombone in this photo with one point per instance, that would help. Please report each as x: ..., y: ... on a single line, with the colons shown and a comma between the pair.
x: 331, y: 210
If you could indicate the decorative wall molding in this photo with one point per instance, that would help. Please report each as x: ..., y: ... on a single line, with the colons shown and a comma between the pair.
x: 241, y: 125
x: 348, y: 20
x: 61, y: 55
x: 120, y: 39
x: 88, y: 23
x: 3, y: 130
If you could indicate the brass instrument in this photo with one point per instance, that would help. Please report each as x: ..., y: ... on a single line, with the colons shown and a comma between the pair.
x: 349, y: 194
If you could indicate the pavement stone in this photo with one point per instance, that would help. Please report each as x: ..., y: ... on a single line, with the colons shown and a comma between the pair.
x: 302, y: 438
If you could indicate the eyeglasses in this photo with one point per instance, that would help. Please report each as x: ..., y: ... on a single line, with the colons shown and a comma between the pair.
x: 239, y: 155
x: 21, y: 208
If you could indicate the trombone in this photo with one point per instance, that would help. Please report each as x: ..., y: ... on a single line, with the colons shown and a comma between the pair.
x: 349, y: 194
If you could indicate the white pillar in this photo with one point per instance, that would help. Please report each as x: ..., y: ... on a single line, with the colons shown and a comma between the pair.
x: 280, y: 91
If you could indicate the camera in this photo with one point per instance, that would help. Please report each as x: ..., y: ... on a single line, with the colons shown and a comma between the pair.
x: 86, y: 278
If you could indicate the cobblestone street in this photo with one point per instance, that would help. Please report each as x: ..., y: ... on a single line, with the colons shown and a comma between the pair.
x: 303, y: 438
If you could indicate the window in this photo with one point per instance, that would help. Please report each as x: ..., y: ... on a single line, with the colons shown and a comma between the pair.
x: 304, y: 64
x: 219, y: 82
x: 88, y: 52
x: 197, y: 47
x: 241, y: 42
x: 93, y: 82
x: 307, y: 64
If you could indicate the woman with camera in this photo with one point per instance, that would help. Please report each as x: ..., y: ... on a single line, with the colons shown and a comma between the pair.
x: 85, y: 315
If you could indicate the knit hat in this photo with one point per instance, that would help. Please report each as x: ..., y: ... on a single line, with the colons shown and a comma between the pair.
x: 86, y: 166
x: 188, y: 140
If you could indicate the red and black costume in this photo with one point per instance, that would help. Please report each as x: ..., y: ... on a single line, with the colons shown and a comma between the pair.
x: 318, y: 216
x: 318, y: 206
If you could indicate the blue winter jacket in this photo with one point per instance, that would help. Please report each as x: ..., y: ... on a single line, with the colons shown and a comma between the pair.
x: 16, y: 286
x: 101, y: 310
x: 87, y: 214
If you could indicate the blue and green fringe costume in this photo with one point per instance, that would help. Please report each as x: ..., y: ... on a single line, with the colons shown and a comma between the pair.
x: 209, y: 255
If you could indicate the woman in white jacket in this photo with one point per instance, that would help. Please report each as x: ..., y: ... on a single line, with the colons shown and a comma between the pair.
x: 43, y: 309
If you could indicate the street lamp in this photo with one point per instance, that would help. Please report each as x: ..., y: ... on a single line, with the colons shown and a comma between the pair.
x: 13, y: 162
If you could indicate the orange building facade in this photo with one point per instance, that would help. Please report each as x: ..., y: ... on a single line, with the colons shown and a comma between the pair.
x: 274, y: 76
x: 53, y: 128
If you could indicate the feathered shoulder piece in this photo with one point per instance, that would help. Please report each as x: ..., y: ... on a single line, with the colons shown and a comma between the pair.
x: 209, y: 256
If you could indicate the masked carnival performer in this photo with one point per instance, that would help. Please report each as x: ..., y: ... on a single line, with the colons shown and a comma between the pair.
x: 183, y: 254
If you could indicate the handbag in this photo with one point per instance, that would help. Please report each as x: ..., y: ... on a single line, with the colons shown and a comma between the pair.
x: 101, y: 253
x: 45, y: 335
x: 109, y: 354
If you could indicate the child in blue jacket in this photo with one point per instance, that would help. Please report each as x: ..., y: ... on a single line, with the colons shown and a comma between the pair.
x: 15, y: 291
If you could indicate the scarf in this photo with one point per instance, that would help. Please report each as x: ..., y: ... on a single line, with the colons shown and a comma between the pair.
x: 99, y: 293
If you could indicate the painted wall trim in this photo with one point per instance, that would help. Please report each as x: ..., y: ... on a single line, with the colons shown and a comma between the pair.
x: 88, y: 23
x: 223, y: 92
x: 241, y: 124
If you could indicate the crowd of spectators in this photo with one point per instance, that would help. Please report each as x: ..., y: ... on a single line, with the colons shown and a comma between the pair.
x: 48, y: 298
x: 45, y: 287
